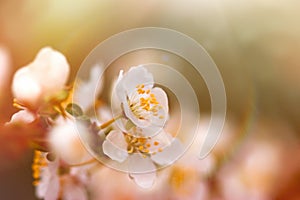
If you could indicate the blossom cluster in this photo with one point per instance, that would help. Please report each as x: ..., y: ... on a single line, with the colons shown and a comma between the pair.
x: 74, y: 150
x: 63, y: 164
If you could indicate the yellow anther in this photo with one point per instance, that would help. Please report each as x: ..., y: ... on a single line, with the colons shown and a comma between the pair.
x: 148, y: 91
x: 36, y: 174
x: 35, y: 183
x: 156, y: 143
x: 130, y: 149
x: 159, y: 149
x: 141, y: 148
x: 141, y: 91
x: 161, y: 117
x: 146, y: 151
x: 142, y: 140
x: 148, y: 145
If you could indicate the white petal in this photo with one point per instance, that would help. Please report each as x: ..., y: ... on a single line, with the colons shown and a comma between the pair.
x: 144, y: 180
x: 53, y: 189
x: 73, y: 191
x: 48, y: 188
x: 142, y: 170
x: 169, y: 154
x: 161, y: 98
x: 137, y: 164
x: 4, y: 67
x: 56, y: 66
x: 86, y: 91
x: 134, y: 77
x: 160, y: 141
x: 25, y: 88
x: 23, y: 116
x: 115, y: 146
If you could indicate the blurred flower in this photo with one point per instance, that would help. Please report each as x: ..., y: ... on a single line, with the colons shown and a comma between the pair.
x: 141, y: 153
x: 105, y: 182
x: 145, y: 107
x: 46, y: 177
x: 4, y: 67
x: 55, y: 181
x: 65, y: 140
x: 41, y: 79
x: 86, y: 91
x: 253, y: 173
x: 73, y: 188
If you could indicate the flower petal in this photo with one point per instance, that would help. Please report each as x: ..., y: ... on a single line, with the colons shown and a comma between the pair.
x: 161, y: 98
x: 56, y: 66
x: 48, y: 188
x: 115, y: 146
x: 142, y: 170
x: 134, y: 77
x: 144, y: 180
x: 23, y: 116
x: 25, y: 88
x: 73, y: 191
x: 4, y: 67
x: 86, y: 91
x: 169, y: 154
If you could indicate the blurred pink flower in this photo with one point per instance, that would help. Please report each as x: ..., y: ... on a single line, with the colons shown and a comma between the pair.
x: 146, y: 107
x: 253, y: 172
x: 41, y: 79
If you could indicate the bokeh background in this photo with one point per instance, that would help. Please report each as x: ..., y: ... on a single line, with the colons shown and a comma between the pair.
x: 255, y: 45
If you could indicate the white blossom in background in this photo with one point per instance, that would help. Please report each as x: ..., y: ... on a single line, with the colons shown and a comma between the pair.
x: 85, y: 92
x: 65, y: 140
x: 4, y: 67
x: 141, y: 154
x: 41, y: 79
x: 53, y: 183
x: 46, y: 176
x: 145, y: 106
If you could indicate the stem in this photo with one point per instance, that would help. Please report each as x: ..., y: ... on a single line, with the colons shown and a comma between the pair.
x: 84, y: 163
x: 106, y: 124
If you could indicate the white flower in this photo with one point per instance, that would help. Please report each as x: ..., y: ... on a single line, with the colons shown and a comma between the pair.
x: 65, y: 140
x: 42, y: 78
x: 4, y: 67
x: 142, y: 153
x: 46, y: 174
x: 145, y: 106
x: 51, y: 184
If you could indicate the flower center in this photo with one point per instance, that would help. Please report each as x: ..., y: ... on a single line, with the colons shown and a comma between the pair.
x: 140, y: 145
x: 143, y: 103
